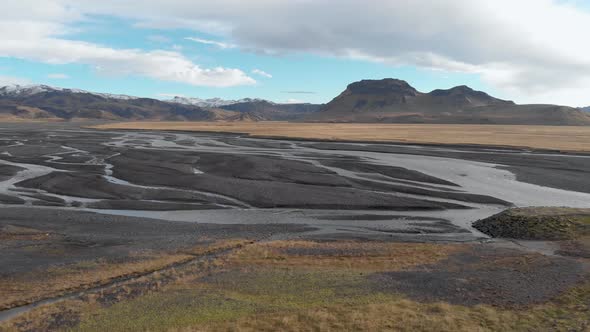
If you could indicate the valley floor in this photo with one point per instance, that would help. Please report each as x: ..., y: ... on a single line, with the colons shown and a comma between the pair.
x: 565, y: 138
x: 131, y: 230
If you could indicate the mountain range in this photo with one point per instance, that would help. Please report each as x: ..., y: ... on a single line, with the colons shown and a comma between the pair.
x: 385, y: 101
x: 45, y: 102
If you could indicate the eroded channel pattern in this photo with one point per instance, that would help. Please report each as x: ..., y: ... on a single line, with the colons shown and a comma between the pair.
x: 343, y: 190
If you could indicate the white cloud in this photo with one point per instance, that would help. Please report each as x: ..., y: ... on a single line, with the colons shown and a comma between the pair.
x: 534, y: 50
x: 221, y: 45
x: 261, y: 73
x: 58, y: 76
x: 158, y: 64
x: 10, y: 80
x: 38, y: 35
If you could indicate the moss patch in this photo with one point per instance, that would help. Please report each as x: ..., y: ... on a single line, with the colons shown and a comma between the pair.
x: 537, y: 224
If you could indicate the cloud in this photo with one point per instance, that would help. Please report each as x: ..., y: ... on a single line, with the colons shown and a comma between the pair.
x: 299, y: 92
x: 44, y: 34
x: 11, y: 80
x: 158, y: 64
x: 261, y: 73
x: 58, y: 76
x: 533, y: 49
x: 211, y: 42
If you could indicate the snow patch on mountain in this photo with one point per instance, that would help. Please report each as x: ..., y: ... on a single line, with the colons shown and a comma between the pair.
x: 17, y: 90
x: 212, y: 102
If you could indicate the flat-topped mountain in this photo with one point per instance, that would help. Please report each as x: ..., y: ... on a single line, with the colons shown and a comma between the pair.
x: 395, y: 101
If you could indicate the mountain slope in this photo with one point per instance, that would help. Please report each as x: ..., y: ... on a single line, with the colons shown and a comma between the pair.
x: 70, y: 104
x: 395, y: 101
x: 45, y: 102
x: 30, y: 90
x: 262, y: 109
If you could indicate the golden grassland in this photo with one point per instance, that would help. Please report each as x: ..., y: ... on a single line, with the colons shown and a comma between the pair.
x: 58, y: 280
x: 371, y: 256
x: 272, y: 286
x: 566, y: 138
x: 262, y: 288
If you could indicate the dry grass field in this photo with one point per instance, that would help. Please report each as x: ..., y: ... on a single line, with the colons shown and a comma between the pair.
x: 270, y: 286
x: 565, y: 138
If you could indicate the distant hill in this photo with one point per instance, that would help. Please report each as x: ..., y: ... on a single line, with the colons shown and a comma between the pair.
x: 66, y: 104
x: 45, y: 102
x: 387, y: 101
x: 586, y: 109
x: 263, y: 109
x: 395, y: 101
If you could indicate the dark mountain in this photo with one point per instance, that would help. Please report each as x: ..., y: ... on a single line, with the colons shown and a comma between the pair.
x: 395, y: 101
x: 586, y: 109
x: 44, y: 102
x: 69, y: 105
x: 262, y: 109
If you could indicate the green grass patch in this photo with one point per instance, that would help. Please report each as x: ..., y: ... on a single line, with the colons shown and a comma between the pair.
x: 173, y: 309
x: 230, y: 295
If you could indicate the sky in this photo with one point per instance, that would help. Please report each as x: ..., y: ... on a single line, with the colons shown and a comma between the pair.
x: 529, y: 51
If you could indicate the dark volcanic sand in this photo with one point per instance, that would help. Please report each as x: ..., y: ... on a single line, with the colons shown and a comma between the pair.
x: 60, y: 165
x: 77, y: 235
x: 486, y: 275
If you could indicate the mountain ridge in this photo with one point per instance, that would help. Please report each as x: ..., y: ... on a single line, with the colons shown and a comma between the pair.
x: 17, y: 90
x: 396, y: 101
x: 384, y: 101
x: 47, y: 102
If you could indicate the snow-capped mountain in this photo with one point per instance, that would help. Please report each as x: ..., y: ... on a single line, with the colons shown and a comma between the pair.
x: 212, y: 102
x: 30, y: 90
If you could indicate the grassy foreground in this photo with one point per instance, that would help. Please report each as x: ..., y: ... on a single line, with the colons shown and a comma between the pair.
x: 312, y: 286
x: 564, y: 138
